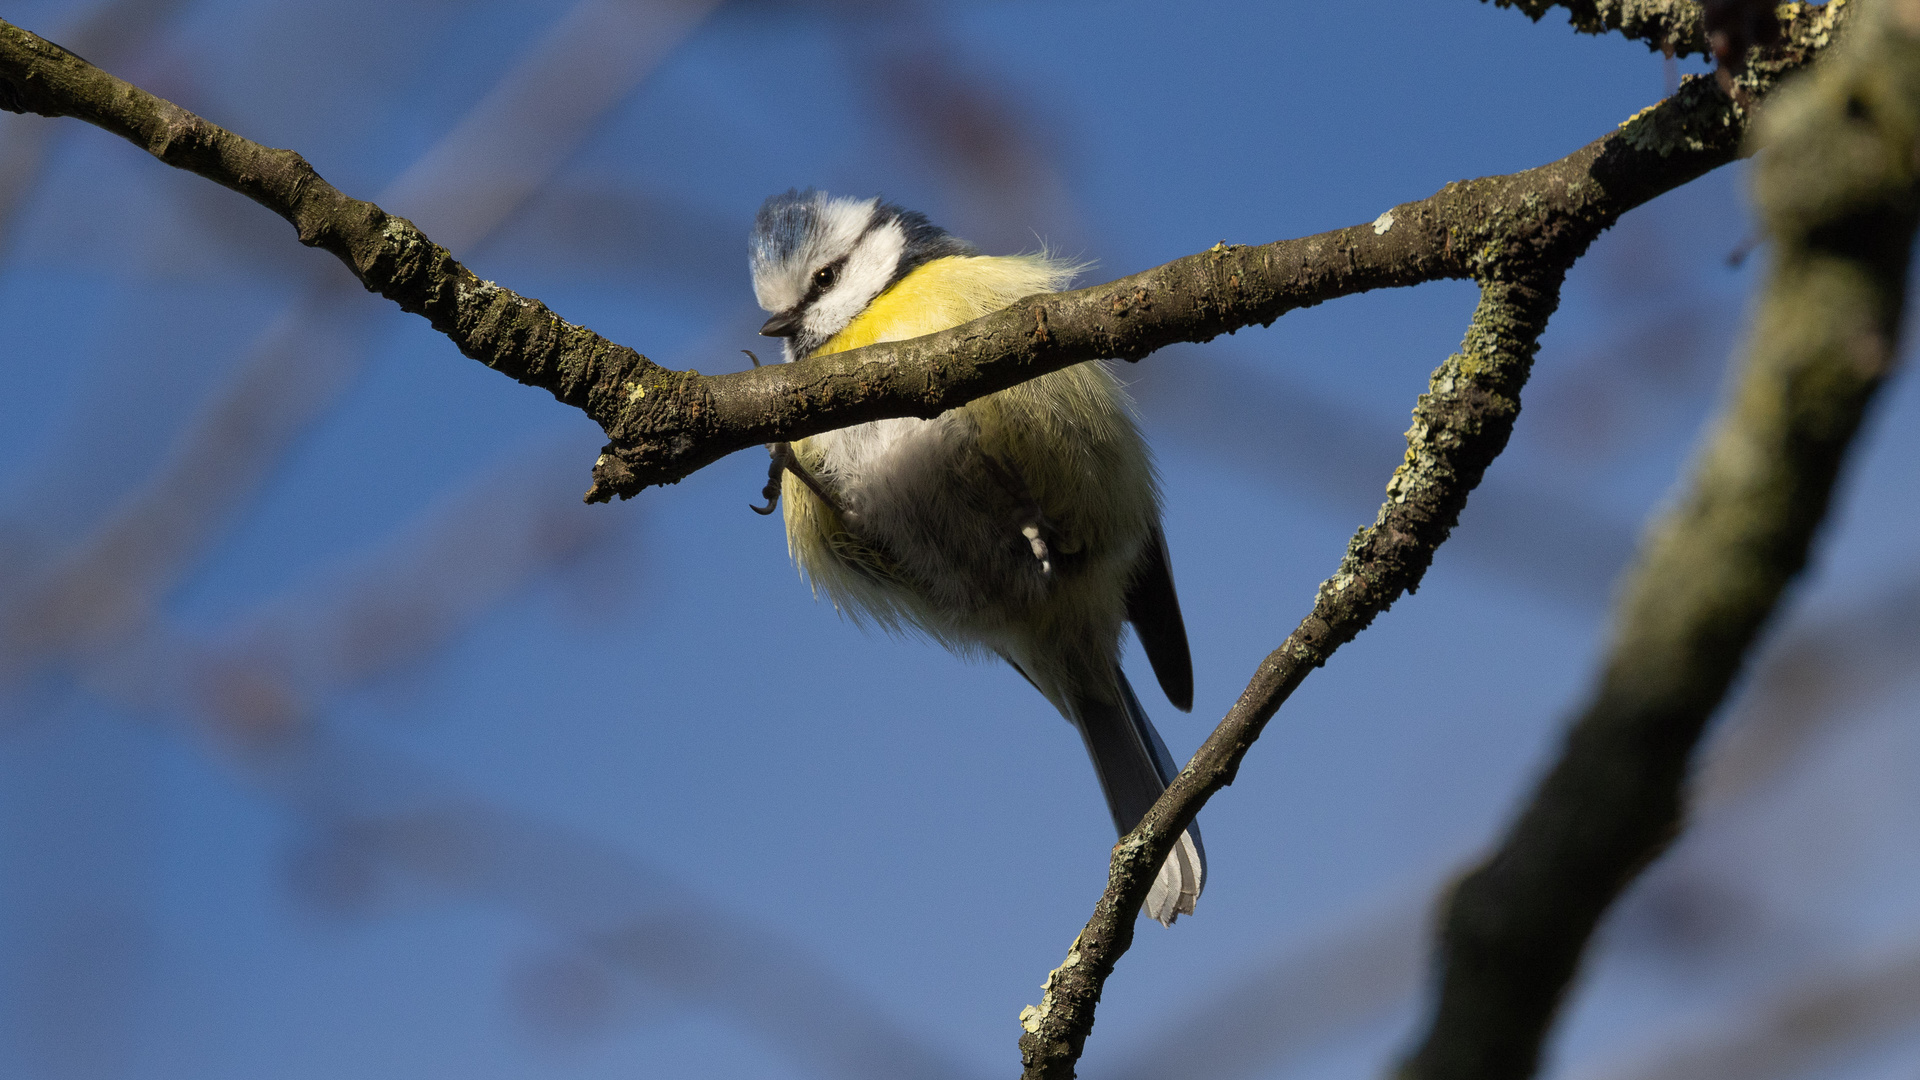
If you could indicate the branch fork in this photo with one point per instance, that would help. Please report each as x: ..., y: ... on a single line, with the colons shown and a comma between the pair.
x: 1515, y: 235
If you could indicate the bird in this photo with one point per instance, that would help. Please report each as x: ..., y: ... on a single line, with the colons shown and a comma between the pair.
x: 1024, y: 524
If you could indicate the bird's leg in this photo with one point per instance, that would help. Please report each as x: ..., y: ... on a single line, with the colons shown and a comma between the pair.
x: 1033, y: 523
x: 782, y: 453
x: 814, y: 485
x: 784, y: 461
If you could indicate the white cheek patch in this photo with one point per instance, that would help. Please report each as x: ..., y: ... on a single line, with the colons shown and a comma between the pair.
x: 867, y: 271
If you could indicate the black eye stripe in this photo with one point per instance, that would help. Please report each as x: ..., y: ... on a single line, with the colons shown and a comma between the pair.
x: 829, y: 275
x: 816, y: 286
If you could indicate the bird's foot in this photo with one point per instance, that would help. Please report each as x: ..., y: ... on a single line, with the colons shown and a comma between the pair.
x: 1034, y: 526
x: 783, y: 462
x: 1039, y: 546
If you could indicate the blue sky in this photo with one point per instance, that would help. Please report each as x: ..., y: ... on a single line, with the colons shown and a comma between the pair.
x: 375, y: 754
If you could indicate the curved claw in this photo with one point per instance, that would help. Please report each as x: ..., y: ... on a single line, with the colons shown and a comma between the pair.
x: 784, y: 462
x: 782, y: 454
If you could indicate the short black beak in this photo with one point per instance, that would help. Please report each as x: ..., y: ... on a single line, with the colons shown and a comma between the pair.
x: 785, y: 324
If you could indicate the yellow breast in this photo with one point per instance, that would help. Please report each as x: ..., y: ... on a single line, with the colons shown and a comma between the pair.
x: 1080, y: 410
x: 947, y: 292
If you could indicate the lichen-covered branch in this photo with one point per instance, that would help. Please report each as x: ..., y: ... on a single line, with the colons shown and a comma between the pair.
x: 1516, y: 235
x: 1466, y: 230
x: 664, y: 424
x: 1458, y: 429
x: 1677, y: 27
x: 1839, y: 195
x: 1459, y: 426
x: 508, y: 332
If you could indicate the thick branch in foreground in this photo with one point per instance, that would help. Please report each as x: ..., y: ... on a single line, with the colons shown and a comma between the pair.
x: 665, y: 424
x: 1837, y: 191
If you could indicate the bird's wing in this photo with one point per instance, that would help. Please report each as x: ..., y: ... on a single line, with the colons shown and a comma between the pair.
x: 1154, y: 610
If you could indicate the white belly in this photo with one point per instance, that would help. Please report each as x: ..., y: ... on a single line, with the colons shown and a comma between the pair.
x: 883, y: 469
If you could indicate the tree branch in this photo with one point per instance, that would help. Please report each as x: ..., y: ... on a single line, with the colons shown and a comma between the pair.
x: 1796, y: 1030
x: 513, y: 334
x: 1837, y: 193
x: 1515, y: 234
x: 1674, y: 27
x: 664, y: 424
x: 1459, y: 427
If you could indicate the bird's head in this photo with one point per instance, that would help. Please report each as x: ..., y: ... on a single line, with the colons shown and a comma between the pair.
x: 819, y: 261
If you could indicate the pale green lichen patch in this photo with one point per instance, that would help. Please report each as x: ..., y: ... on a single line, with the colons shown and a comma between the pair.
x: 1639, y: 115
x: 1674, y: 124
x: 476, y: 291
x: 1034, y: 1016
x: 1830, y: 14
x: 1382, y: 223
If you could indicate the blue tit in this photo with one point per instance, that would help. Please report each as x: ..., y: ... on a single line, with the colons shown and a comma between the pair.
x: 1025, y: 524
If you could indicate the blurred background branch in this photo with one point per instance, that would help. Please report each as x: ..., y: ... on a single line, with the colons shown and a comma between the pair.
x: 112, y: 32
x: 1810, y: 687
x: 300, y: 597
x: 1837, y: 194
x: 1817, y: 1024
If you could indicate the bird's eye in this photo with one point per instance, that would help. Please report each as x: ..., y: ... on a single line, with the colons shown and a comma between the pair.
x: 824, y: 277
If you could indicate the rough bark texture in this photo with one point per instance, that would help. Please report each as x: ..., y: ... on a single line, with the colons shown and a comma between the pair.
x: 1458, y: 428
x: 508, y: 332
x: 1675, y: 27
x: 1837, y: 193
x: 664, y: 424
x: 1516, y: 235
